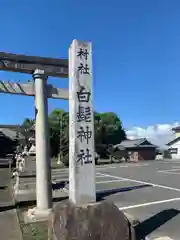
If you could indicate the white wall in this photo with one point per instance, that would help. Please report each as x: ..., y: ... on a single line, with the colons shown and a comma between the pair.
x: 176, y: 145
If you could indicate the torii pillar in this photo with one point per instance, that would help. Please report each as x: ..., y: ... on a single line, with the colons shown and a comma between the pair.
x: 43, y: 164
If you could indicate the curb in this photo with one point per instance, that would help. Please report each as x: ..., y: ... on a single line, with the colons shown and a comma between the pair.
x: 133, y: 221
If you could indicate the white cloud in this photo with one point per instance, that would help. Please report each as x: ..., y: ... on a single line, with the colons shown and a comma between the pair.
x: 159, y: 134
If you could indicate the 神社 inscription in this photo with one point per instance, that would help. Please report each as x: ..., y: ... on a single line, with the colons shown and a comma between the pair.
x: 84, y: 129
x: 81, y: 122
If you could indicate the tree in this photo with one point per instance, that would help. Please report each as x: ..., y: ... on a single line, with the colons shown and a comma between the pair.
x: 107, y: 126
x: 108, y: 131
x: 59, y: 132
x: 27, y: 129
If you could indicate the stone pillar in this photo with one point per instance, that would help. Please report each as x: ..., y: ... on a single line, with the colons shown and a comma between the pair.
x: 82, y: 186
x: 43, y: 165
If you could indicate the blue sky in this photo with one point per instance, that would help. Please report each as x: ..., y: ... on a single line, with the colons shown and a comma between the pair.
x: 136, y: 53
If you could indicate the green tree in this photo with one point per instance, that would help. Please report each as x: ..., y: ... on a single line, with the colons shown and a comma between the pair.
x: 27, y: 128
x: 59, y: 132
x: 108, y: 131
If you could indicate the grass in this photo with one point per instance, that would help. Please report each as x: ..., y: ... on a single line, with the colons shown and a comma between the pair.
x: 32, y: 231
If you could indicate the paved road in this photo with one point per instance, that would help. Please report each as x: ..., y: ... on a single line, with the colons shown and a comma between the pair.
x: 148, y: 190
x: 9, y: 224
x: 155, y: 194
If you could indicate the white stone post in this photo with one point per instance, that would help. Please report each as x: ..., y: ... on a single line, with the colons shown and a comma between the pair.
x: 43, y: 165
x: 82, y: 185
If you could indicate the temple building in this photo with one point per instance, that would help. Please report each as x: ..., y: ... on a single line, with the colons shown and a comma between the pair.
x: 10, y: 137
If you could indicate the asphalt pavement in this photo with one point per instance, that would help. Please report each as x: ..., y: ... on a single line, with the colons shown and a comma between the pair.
x: 149, y: 191
x: 9, y: 224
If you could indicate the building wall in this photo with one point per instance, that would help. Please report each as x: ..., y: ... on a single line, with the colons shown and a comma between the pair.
x: 147, y: 154
x: 175, y: 154
x: 144, y: 153
x: 7, y: 146
x: 177, y: 134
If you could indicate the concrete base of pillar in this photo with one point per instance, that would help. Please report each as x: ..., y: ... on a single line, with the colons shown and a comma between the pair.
x: 36, y: 215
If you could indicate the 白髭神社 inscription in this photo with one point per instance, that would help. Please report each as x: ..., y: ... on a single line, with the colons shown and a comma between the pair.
x: 81, y: 135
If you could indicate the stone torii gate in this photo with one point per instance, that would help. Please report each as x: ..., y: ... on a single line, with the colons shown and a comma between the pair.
x: 81, y: 125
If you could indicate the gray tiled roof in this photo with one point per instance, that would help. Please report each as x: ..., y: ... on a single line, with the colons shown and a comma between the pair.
x: 173, y: 141
x: 133, y: 143
x: 10, y: 133
x: 176, y: 128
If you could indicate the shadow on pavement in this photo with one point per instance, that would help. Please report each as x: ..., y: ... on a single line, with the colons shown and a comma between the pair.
x: 100, y: 195
x: 59, y: 185
x: 4, y: 166
x: 28, y: 176
x: 141, y: 230
x: 7, y: 208
x: 149, y: 225
x: 3, y: 187
x: 27, y: 204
